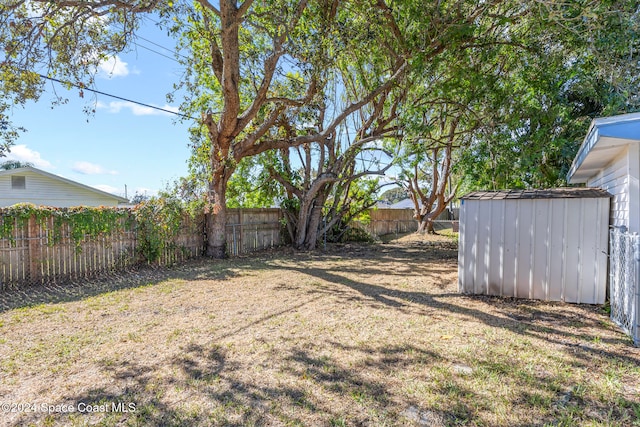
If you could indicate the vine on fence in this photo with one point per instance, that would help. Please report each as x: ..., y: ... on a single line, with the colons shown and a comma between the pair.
x: 13, y: 218
x: 83, y: 222
x: 157, y: 221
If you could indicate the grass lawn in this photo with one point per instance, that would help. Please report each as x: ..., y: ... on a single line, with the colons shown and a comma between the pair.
x: 359, y: 335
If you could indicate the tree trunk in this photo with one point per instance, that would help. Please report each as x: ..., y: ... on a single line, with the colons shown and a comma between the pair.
x: 301, y: 227
x: 425, y: 225
x: 311, y: 236
x: 309, y: 219
x: 216, y: 218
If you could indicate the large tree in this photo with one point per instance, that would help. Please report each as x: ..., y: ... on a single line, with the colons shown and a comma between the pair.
x: 250, y: 65
x: 580, y: 63
x: 264, y: 68
x: 257, y: 72
x: 320, y: 189
x: 518, y: 105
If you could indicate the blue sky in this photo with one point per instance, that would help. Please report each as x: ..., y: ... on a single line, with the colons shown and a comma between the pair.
x: 122, y: 144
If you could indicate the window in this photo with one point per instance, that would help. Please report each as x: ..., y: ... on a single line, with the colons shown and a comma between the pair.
x: 18, y: 182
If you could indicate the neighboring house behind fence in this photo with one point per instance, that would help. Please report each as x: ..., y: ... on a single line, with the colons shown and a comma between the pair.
x: 32, y: 185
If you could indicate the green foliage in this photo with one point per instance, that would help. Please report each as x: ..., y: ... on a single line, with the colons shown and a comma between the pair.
x: 14, y: 164
x: 349, y: 203
x: 139, y: 198
x: 355, y: 234
x: 251, y: 187
x: 158, y: 221
x: 64, y: 40
x: 14, y: 218
x: 579, y: 65
x: 83, y: 222
x: 87, y: 222
x: 363, y: 217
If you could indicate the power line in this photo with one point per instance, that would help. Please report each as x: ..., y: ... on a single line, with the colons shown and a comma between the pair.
x: 159, y: 45
x: 156, y: 52
x: 285, y: 58
x: 116, y: 97
x: 172, y: 51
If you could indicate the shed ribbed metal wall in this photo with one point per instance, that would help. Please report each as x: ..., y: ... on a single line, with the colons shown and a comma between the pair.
x: 552, y: 249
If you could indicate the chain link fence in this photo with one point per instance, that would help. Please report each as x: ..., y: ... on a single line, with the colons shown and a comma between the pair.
x: 624, y: 268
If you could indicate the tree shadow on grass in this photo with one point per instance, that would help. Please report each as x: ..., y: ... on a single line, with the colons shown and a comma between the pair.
x: 205, y: 386
x: 575, y: 343
x: 208, y: 269
x: 135, y: 277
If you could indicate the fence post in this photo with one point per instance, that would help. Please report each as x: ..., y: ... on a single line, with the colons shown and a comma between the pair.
x: 635, y: 325
x: 241, y: 233
x: 35, y: 250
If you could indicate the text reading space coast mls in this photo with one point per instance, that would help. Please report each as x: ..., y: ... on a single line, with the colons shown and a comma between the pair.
x: 63, y: 408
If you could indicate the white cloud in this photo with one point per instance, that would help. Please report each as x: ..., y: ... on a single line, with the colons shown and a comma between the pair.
x: 107, y: 188
x: 24, y: 154
x: 87, y: 168
x: 114, y: 67
x: 137, y: 110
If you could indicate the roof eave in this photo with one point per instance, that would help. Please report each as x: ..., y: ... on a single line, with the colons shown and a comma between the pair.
x: 65, y: 180
x: 586, y: 146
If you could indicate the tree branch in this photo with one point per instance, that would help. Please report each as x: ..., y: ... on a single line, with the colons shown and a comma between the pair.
x: 368, y: 98
x: 249, y: 145
x: 244, y: 7
x: 269, y: 69
x: 207, y: 5
x: 285, y: 183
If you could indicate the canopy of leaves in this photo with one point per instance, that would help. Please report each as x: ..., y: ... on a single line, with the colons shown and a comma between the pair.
x: 581, y: 63
x: 58, y: 39
x: 523, y: 77
x: 14, y: 164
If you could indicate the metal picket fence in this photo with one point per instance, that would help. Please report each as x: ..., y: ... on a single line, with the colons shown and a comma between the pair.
x: 624, y: 268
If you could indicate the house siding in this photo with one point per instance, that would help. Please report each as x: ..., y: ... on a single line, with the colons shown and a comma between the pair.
x: 615, y: 179
x: 41, y: 190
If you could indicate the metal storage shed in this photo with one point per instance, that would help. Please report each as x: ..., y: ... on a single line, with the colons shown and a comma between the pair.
x: 541, y: 244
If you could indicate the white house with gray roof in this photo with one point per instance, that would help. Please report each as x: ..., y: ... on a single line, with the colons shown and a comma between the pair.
x: 32, y: 185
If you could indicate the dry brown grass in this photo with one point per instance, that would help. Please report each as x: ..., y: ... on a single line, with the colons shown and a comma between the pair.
x: 371, y: 335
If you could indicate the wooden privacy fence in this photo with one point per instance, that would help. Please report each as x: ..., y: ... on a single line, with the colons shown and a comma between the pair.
x: 250, y: 230
x: 43, y: 252
x: 40, y: 252
x: 399, y: 221
x: 391, y: 221
x: 30, y: 256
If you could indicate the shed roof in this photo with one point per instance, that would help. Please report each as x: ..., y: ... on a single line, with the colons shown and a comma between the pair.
x: 606, y: 138
x: 553, y: 193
